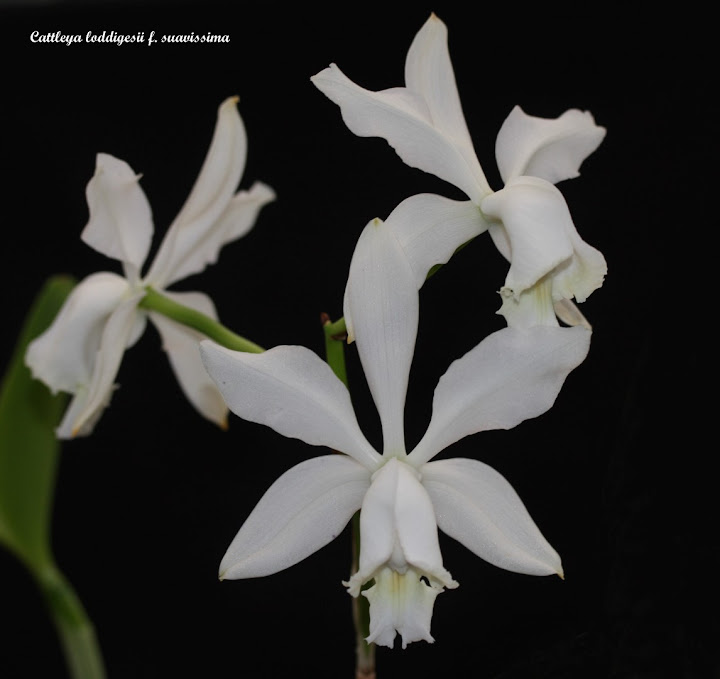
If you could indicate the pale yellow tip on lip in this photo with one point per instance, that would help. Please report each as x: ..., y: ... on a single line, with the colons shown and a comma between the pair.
x: 223, y: 424
x: 561, y: 575
x: 221, y: 576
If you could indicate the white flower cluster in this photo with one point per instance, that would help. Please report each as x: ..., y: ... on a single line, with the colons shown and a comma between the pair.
x: 510, y: 376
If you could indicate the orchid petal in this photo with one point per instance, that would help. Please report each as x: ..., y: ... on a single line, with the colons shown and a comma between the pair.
x: 120, y: 224
x: 240, y: 215
x: 511, y: 376
x: 475, y: 505
x: 552, y: 149
x: 397, y: 528
x: 182, y: 345
x: 191, y: 241
x: 63, y: 357
x: 291, y: 390
x: 305, y: 509
x: 117, y: 334
x: 403, y: 119
x: 431, y: 228
x: 382, y: 301
x: 537, y: 223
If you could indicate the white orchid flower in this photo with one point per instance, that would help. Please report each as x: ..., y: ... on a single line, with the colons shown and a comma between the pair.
x: 81, y: 351
x: 511, y: 376
x: 528, y: 219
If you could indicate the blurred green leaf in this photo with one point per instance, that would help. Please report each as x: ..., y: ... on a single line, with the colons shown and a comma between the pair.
x: 29, y: 414
x: 29, y: 450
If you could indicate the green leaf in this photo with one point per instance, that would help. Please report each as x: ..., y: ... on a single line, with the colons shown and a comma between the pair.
x: 29, y: 450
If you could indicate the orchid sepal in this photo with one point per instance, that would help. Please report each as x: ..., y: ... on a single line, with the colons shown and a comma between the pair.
x: 306, y: 508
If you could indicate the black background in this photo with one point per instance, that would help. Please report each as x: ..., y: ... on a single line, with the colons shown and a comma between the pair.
x: 617, y: 474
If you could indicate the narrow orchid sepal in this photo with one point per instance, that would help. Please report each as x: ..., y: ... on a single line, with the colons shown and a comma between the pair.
x: 305, y: 509
x: 293, y: 391
x: 192, y: 241
x: 382, y: 301
x: 480, y: 509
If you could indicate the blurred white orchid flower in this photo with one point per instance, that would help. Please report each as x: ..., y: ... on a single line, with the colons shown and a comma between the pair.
x: 528, y: 219
x: 511, y: 376
x: 81, y: 351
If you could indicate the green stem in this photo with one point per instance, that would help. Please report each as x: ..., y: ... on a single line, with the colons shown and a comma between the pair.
x: 335, y: 346
x: 364, y: 652
x: 75, y: 629
x: 335, y: 335
x: 335, y: 331
x: 155, y: 301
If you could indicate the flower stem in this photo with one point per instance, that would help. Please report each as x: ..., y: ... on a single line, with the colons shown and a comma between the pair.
x: 335, y: 335
x: 335, y: 331
x: 364, y: 651
x: 335, y: 346
x: 75, y: 629
x: 155, y: 301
